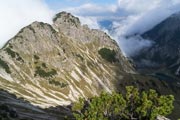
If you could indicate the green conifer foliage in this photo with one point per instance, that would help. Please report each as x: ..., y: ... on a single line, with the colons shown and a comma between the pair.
x: 133, y: 105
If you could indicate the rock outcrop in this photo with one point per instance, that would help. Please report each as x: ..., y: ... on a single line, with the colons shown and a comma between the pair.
x: 50, y: 65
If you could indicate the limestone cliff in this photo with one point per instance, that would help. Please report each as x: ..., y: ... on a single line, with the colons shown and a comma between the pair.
x: 50, y: 65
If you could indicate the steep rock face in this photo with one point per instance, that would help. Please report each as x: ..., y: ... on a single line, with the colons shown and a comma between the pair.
x: 165, y: 52
x: 51, y: 65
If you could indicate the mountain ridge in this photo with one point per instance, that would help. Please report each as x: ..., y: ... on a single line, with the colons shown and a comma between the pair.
x: 162, y: 59
x: 164, y: 53
x: 53, y: 65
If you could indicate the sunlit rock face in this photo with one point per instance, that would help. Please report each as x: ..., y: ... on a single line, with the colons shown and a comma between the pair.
x: 50, y: 65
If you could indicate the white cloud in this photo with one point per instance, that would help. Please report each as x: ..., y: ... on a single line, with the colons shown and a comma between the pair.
x: 15, y: 14
x: 141, y: 16
x: 131, y: 46
x: 145, y: 14
x: 90, y: 21
x: 130, y: 17
x: 92, y: 10
x: 137, y: 6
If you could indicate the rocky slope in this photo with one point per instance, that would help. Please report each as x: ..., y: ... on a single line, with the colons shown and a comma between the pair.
x: 13, y: 108
x: 162, y: 59
x: 51, y: 65
x: 165, y: 52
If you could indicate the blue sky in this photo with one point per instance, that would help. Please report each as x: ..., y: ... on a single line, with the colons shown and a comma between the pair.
x: 59, y: 4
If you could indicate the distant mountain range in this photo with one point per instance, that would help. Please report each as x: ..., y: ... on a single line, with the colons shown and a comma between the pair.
x: 165, y: 53
x: 162, y: 59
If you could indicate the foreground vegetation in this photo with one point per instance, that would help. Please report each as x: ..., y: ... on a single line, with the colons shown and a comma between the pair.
x: 133, y: 105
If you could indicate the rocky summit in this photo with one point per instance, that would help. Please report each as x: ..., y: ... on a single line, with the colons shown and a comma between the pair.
x: 50, y: 65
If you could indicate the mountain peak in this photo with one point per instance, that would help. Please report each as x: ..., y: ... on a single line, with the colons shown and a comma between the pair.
x: 176, y: 15
x: 66, y: 18
x: 56, y: 64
